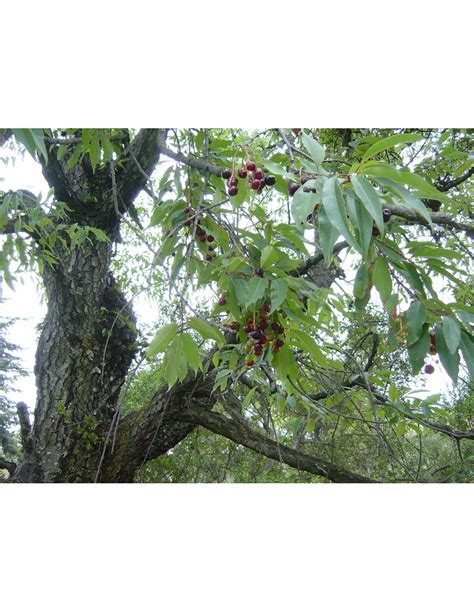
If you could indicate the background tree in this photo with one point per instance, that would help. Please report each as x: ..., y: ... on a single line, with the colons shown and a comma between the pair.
x: 273, y: 342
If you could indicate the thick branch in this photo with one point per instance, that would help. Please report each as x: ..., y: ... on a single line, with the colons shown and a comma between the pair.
x: 241, y: 433
x: 25, y: 427
x: 142, y: 156
x: 146, y: 434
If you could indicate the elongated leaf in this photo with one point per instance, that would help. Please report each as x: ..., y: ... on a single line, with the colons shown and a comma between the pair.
x: 403, y: 178
x: 467, y: 348
x: 162, y: 339
x: 191, y: 351
x: 370, y: 199
x: 333, y: 202
x: 206, y: 330
x: 307, y: 343
x: 416, y: 317
x: 255, y: 290
x: 388, y: 143
x: 361, y: 281
x: 364, y: 224
x: 381, y: 278
x: 327, y: 235
x: 278, y: 291
x: 277, y: 170
x: 452, y: 333
x: 269, y: 256
x: 314, y: 148
x: 409, y: 200
x: 449, y: 360
x: 302, y: 205
x: 418, y: 350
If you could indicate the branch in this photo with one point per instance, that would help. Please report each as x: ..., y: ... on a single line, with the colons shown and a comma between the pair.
x: 315, y: 259
x: 148, y: 433
x: 241, y: 433
x: 445, y: 186
x: 141, y: 157
x: 7, y: 465
x: 25, y: 427
x: 438, y: 218
x: 189, y: 161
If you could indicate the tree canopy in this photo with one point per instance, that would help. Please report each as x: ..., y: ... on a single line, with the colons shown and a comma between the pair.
x: 309, y: 281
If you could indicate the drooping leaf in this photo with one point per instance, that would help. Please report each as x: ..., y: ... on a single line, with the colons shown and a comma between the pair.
x: 452, y: 333
x: 418, y: 350
x: 314, y: 148
x: 370, y: 199
x: 381, y: 278
x: 334, y: 205
x: 162, y: 339
x: 278, y: 291
x: 302, y: 205
x: 270, y: 255
x: 361, y: 281
x: 449, y: 360
x: 328, y: 235
x: 467, y: 348
x: 255, y: 290
x: 191, y: 351
x: 416, y: 318
x: 206, y: 330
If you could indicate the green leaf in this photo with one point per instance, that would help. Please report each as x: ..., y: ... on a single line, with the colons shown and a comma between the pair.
x: 404, y: 178
x: 162, y: 339
x: 452, y: 333
x: 334, y: 205
x: 417, y: 351
x: 381, y: 278
x: 364, y: 223
x: 255, y: 290
x: 467, y: 348
x: 302, y: 205
x: 307, y: 343
x: 449, y: 360
x: 361, y: 281
x: 269, y: 256
x: 206, y: 330
x: 32, y: 140
x: 284, y: 364
x: 416, y: 317
x: 370, y: 199
x: 314, y: 148
x: 327, y: 235
x: 278, y: 291
x: 409, y: 200
x: 388, y: 143
x: 276, y: 169
x: 175, y: 364
x: 191, y: 351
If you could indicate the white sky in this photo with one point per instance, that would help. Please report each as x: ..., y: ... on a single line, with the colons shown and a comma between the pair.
x: 26, y: 301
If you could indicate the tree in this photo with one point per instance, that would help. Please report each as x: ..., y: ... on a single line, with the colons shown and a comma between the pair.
x: 281, y: 336
x: 10, y: 370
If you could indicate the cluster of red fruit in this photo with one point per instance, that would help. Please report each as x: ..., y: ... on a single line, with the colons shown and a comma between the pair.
x: 256, y: 177
x: 201, y: 234
x: 387, y: 215
x: 429, y: 368
x: 262, y: 334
